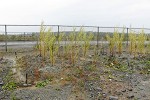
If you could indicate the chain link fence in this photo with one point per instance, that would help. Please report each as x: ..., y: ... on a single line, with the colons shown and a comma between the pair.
x: 24, y: 36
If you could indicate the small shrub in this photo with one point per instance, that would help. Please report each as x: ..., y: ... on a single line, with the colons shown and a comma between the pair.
x: 10, y: 83
x: 42, y: 83
x: 9, y: 86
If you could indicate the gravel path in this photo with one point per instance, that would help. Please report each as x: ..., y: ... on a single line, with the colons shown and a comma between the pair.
x: 141, y: 87
x: 47, y: 93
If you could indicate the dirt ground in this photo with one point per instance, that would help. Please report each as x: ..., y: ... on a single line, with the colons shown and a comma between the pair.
x: 106, y: 78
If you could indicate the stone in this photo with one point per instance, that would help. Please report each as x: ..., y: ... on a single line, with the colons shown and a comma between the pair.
x: 90, y: 89
x: 26, y: 97
x: 91, y: 84
x: 130, y: 89
x: 143, y: 95
x: 119, y: 93
x: 1, y: 81
x: 99, y: 89
x: 14, y: 70
x: 29, y: 84
x: 25, y: 85
x: 104, y: 95
x: 90, y: 56
x: 113, y: 98
x: 124, y: 90
x: 130, y: 96
x: 92, y: 95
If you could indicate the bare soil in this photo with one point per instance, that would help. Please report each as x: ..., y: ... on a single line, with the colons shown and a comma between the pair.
x: 108, y: 78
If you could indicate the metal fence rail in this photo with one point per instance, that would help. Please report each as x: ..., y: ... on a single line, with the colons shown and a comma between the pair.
x: 10, y: 30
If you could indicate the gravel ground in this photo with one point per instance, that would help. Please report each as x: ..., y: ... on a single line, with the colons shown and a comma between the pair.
x: 105, y: 88
x: 47, y: 93
x: 141, y: 87
x: 5, y: 66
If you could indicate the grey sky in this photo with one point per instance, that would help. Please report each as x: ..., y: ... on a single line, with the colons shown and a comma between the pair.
x: 76, y: 12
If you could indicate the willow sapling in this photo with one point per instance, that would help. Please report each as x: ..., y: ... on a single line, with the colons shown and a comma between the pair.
x: 111, y: 41
x: 132, y: 42
x: 41, y: 38
x: 86, y: 39
x: 60, y: 37
x: 141, y: 42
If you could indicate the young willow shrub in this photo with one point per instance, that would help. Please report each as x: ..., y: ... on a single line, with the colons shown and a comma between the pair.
x: 86, y: 39
x: 48, y: 43
x: 42, y: 38
x: 78, y: 41
x: 53, y: 47
x: 73, y: 49
x: 47, y: 39
x: 148, y: 43
x: 112, y: 42
x: 116, y: 41
x: 141, y: 42
x: 132, y: 42
x: 148, y: 47
x: 60, y: 38
x: 119, y: 40
x: 66, y: 47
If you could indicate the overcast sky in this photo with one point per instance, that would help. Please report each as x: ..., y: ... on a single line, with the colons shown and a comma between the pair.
x: 76, y: 12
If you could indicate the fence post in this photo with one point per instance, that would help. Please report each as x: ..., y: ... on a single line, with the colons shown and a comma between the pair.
x: 6, y: 38
x: 58, y: 32
x: 127, y: 36
x: 97, y: 35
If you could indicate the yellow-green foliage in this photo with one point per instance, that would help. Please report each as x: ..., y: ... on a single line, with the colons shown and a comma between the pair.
x: 132, y: 42
x: 47, y: 38
x: 80, y: 34
x: 53, y: 48
x: 48, y: 43
x: 41, y: 38
x: 73, y: 49
x: 148, y: 47
x: 137, y: 42
x: 115, y: 41
x: 119, y: 40
x: 2, y: 37
x: 95, y: 57
x: 141, y: 42
x: 60, y: 37
x: 111, y: 41
x: 75, y: 42
x: 148, y: 43
x: 78, y: 40
x: 66, y: 47
x: 86, y: 39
